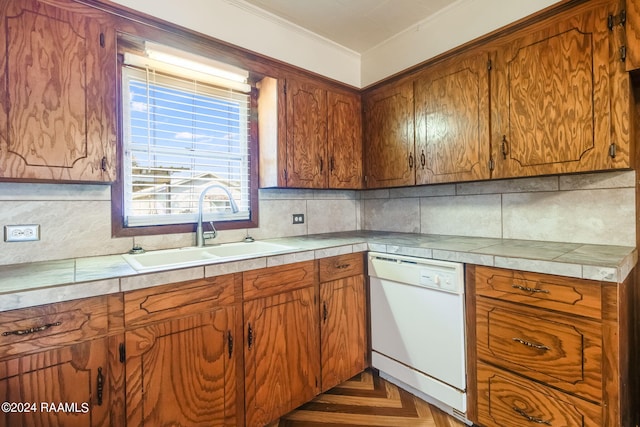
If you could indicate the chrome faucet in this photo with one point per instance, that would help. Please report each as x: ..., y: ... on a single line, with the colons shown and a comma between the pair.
x: 199, y: 231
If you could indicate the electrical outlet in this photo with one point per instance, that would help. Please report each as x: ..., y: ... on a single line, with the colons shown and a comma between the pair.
x: 22, y: 233
x: 298, y: 218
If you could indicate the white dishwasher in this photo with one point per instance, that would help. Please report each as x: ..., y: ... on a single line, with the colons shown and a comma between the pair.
x: 418, y: 327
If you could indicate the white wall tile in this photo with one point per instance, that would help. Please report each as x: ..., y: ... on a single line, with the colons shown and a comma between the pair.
x: 326, y: 216
x: 586, y: 216
x: 276, y: 218
x: 478, y: 216
x: 618, y: 179
x: 401, y: 215
x: 522, y: 185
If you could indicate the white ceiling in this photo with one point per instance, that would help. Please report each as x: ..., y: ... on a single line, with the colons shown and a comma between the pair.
x: 355, y: 24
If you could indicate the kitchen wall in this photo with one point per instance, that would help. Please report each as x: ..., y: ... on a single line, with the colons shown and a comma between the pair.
x: 75, y: 220
x: 597, y: 208
x: 594, y: 208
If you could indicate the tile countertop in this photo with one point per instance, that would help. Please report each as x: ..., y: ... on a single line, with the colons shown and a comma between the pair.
x: 25, y: 285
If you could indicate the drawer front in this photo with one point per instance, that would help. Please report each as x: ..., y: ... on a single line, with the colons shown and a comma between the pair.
x: 506, y: 400
x: 179, y: 299
x: 573, y: 296
x: 559, y: 350
x: 37, y: 328
x: 342, y: 266
x: 274, y: 280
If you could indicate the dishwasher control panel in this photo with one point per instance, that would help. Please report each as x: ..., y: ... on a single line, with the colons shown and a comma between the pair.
x: 428, y: 273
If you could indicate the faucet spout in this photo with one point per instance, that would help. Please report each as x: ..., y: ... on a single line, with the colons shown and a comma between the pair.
x: 199, y: 229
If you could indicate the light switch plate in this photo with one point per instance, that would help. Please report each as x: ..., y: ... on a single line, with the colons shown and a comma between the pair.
x: 22, y: 233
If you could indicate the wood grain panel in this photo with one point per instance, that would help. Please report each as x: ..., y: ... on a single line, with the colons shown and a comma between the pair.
x: 180, y: 299
x: 181, y: 372
x: 572, y: 296
x: 60, y: 121
x: 306, y: 135
x: 452, y: 121
x: 342, y: 331
x: 508, y: 401
x: 344, y: 140
x: 53, y: 325
x: 551, y: 101
x: 562, y: 351
x: 272, y: 280
x: 68, y: 375
x: 632, y: 30
x: 282, y: 362
x: 341, y: 266
x: 388, y: 124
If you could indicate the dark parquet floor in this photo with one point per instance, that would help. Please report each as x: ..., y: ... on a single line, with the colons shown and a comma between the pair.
x: 364, y: 401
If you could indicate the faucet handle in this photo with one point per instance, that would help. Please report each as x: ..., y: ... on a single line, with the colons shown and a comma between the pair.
x: 209, y: 235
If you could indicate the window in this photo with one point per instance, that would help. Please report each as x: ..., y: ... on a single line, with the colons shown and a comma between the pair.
x: 183, y: 130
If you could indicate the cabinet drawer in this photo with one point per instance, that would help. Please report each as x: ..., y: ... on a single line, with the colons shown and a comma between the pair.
x: 573, y: 296
x: 508, y: 401
x: 32, y: 329
x: 179, y: 299
x: 559, y: 350
x: 342, y: 266
x: 273, y: 280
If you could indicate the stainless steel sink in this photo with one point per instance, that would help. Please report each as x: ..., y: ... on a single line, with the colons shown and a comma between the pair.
x: 192, y: 256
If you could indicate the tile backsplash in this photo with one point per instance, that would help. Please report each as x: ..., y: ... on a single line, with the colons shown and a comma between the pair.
x: 591, y: 208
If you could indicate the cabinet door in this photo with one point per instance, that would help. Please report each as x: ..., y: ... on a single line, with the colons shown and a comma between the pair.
x: 66, y: 387
x: 183, y: 372
x: 388, y: 136
x: 57, y: 115
x: 632, y: 34
x: 452, y: 121
x: 282, y: 362
x: 558, y: 98
x: 344, y: 140
x: 342, y: 331
x: 306, y: 135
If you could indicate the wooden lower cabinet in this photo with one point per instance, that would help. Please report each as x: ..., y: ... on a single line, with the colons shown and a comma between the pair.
x: 549, y: 350
x: 282, y: 362
x: 63, y: 387
x: 183, y: 372
x: 343, y: 346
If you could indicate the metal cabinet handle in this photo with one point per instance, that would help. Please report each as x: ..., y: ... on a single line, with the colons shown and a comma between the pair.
x: 230, y: 343
x: 530, y: 418
x: 423, y: 159
x: 530, y: 344
x: 528, y: 289
x: 505, y: 147
x: 325, y: 312
x: 99, y: 386
x: 250, y: 336
x: 343, y: 266
x: 410, y: 161
x: 321, y: 164
x: 332, y: 164
x: 31, y: 330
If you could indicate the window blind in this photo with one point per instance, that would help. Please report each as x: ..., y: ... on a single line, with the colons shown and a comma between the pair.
x: 180, y: 136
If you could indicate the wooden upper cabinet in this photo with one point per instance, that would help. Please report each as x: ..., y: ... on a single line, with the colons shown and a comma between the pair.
x: 632, y: 34
x: 560, y: 97
x: 57, y: 109
x: 344, y: 140
x: 388, y: 136
x: 306, y: 135
x: 452, y: 120
x: 310, y: 135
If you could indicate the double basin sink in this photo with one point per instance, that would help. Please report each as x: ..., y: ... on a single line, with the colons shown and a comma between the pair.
x: 193, y: 256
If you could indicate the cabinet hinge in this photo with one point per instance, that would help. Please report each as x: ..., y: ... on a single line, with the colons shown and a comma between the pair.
x: 101, y: 39
x: 123, y: 353
x: 623, y: 53
x: 103, y: 164
x: 492, y: 164
x: 489, y: 65
x: 612, y: 150
x: 619, y: 19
